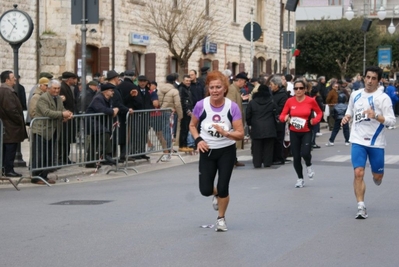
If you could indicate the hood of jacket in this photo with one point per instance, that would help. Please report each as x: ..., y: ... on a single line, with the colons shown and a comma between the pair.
x: 166, y: 88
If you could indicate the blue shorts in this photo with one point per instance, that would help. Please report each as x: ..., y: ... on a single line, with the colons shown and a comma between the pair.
x: 359, y: 155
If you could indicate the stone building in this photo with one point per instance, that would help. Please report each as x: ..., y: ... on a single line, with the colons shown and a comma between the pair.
x: 55, y: 45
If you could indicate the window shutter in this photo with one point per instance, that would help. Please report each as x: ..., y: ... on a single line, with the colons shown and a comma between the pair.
x: 255, y: 71
x: 269, y: 66
x: 215, y: 65
x: 129, y: 60
x: 241, y: 67
x: 78, y: 55
x: 104, y: 59
x: 168, y: 65
x: 150, y: 66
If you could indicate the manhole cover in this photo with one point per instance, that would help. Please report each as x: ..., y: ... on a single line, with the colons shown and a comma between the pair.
x: 81, y: 202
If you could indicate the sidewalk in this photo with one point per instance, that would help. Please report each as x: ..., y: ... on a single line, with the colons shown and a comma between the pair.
x: 78, y: 174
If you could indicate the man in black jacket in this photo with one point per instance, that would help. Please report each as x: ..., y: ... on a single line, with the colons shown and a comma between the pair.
x: 69, y: 81
x: 187, y: 106
x: 140, y: 99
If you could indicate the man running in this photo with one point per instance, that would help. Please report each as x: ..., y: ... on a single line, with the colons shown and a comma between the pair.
x: 370, y: 110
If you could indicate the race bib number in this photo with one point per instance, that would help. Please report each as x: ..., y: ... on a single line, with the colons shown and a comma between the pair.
x: 297, y: 122
x: 212, y: 131
x: 359, y: 115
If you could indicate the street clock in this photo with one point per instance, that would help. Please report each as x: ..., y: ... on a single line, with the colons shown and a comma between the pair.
x: 16, y: 26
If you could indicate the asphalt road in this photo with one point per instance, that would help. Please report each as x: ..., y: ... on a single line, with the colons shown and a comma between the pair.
x: 154, y: 219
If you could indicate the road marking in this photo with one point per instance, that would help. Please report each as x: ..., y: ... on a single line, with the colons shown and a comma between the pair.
x: 338, y: 158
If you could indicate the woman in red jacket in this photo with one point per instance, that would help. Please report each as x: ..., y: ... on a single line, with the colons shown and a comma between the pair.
x: 301, y: 112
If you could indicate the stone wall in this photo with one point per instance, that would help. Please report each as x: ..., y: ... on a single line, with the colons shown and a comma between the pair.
x: 55, y: 42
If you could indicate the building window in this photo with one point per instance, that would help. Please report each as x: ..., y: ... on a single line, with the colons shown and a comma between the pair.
x: 260, y: 67
x: 234, y: 10
x: 138, y: 63
x: 174, y: 3
x: 174, y: 66
x: 334, y: 2
x: 207, y: 7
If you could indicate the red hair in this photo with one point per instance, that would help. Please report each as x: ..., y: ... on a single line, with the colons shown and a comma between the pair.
x: 217, y: 75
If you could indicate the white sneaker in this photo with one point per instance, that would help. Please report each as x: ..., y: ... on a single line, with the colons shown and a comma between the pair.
x: 166, y: 158
x: 347, y: 143
x: 310, y: 172
x: 319, y: 134
x: 330, y: 144
x: 299, y: 183
x: 221, y: 225
x: 391, y: 127
x: 215, y: 203
x: 361, y: 212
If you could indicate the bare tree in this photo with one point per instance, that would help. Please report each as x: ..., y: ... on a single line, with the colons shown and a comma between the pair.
x: 182, y: 25
x: 343, y: 66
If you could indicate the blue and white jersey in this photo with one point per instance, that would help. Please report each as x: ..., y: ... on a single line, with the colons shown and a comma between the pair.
x: 366, y: 131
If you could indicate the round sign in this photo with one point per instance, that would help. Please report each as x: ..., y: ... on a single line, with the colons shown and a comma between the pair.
x: 256, y: 34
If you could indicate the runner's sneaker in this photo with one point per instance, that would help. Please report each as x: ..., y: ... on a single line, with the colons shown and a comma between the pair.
x: 299, y: 183
x: 347, y: 143
x: 361, y: 212
x: 221, y: 225
x: 330, y: 144
x: 310, y: 172
x: 376, y: 181
x: 215, y: 203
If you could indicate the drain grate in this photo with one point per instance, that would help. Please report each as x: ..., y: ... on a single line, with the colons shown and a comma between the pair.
x: 81, y: 202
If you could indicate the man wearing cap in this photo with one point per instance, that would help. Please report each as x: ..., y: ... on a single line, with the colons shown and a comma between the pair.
x: 140, y: 99
x: 204, y: 74
x: 122, y: 91
x: 47, y: 75
x: 45, y: 133
x: 12, y: 117
x: 40, y: 89
x: 102, y: 103
x: 234, y: 95
x: 98, y: 77
x: 69, y: 81
x: 91, y: 90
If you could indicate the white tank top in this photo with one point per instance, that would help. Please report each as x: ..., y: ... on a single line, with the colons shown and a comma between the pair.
x: 209, y: 133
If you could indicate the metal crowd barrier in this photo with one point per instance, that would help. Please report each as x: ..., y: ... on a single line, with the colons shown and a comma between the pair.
x: 149, y: 131
x: 53, y: 145
x: 1, y: 157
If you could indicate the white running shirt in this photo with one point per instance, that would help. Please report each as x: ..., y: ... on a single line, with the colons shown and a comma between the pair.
x: 365, y: 131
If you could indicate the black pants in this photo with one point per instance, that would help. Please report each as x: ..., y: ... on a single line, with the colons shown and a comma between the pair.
x: 99, y: 145
x: 185, y: 121
x: 216, y: 160
x: 300, y: 148
x: 262, y: 152
x: 67, y: 137
x: 9, y: 152
x: 42, y: 154
x: 278, y: 149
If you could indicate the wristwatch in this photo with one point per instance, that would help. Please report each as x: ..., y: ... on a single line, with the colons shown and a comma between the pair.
x: 376, y: 116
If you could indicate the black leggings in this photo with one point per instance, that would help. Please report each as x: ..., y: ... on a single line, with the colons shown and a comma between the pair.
x: 216, y: 160
x: 300, y: 147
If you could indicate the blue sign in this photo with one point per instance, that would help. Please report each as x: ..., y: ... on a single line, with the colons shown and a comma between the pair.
x: 139, y: 39
x: 209, y: 47
x: 384, y: 56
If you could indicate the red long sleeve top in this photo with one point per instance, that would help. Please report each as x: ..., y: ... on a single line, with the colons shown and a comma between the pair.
x: 301, y: 110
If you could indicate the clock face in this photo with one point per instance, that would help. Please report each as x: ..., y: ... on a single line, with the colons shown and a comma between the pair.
x: 15, y: 26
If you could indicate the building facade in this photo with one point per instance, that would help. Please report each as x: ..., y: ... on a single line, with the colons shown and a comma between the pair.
x: 119, y: 41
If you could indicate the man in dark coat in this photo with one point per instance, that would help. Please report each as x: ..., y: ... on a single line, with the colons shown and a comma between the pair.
x: 187, y: 106
x: 102, y: 103
x: 12, y: 117
x: 140, y: 99
x: 122, y: 90
x: 91, y: 91
x: 69, y: 81
x: 197, y: 89
x: 280, y: 96
x: 22, y: 94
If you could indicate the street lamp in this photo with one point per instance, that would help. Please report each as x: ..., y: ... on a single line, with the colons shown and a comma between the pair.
x: 392, y: 28
x: 349, y: 14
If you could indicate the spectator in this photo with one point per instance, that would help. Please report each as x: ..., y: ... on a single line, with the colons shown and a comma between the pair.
x: 46, y: 132
x: 13, y: 122
x: 261, y: 117
x: 40, y: 89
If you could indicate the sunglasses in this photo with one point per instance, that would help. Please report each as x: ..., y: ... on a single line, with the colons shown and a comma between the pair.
x: 300, y: 88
